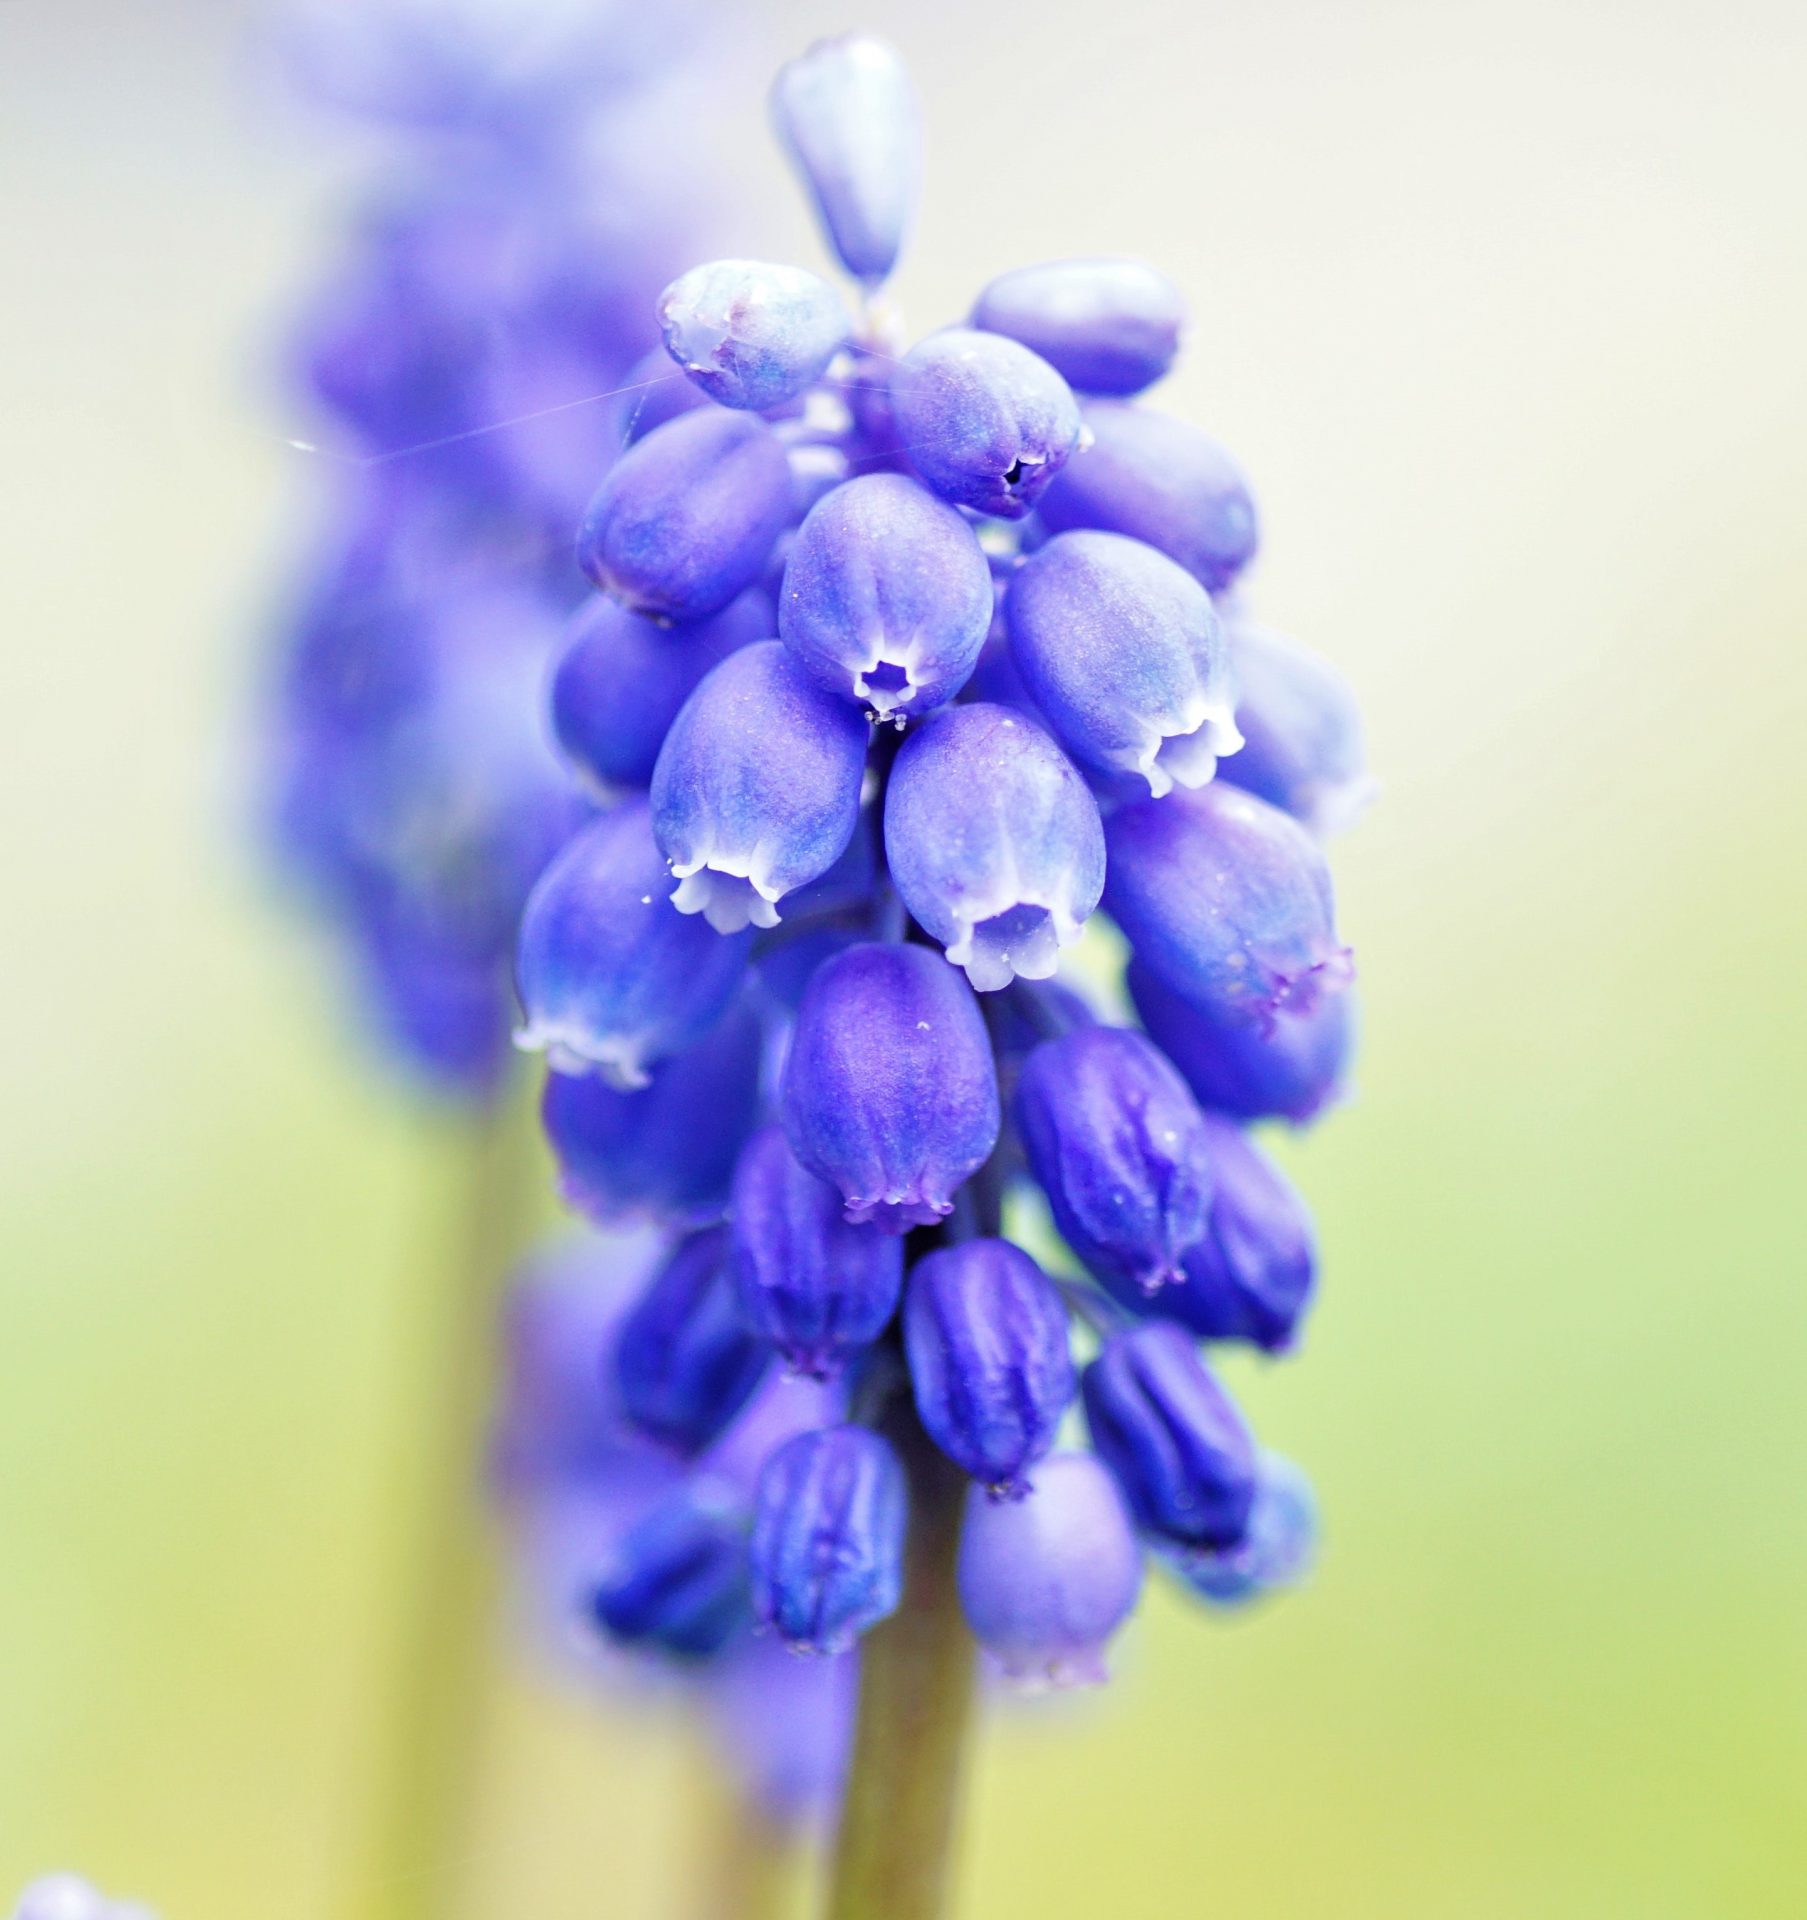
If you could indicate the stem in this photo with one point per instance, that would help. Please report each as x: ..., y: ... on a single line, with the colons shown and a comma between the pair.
x: 748, y: 1866
x: 431, y: 1720
x: 916, y: 1695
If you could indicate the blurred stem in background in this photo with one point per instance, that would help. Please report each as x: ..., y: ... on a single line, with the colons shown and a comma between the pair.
x: 749, y: 1863
x: 893, y: 1853
x: 429, y: 1723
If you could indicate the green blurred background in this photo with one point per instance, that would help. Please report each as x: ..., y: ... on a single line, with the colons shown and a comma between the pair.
x: 1505, y: 308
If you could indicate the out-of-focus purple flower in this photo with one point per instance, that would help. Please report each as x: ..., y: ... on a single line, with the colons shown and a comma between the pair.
x: 1046, y: 1581
x: 622, y: 679
x: 787, y: 1725
x: 612, y: 977
x: 1302, y: 738
x: 1121, y: 1150
x: 887, y: 596
x: 64, y: 1896
x: 994, y: 842
x: 1169, y: 1433
x: 750, y: 334
x: 847, y: 113
x: 828, y: 1535
x: 813, y: 1285
x: 985, y: 1331
x: 1250, y: 1275
x: 678, y: 1579
x: 1160, y: 480
x: 1122, y: 653
x: 890, y: 1092
x: 1227, y: 902
x: 1107, y: 326
x: 985, y: 422
x: 1291, y: 1072
x: 757, y: 788
x: 685, y: 1363
x: 684, y: 520
x: 668, y: 1149
x: 1277, y: 1550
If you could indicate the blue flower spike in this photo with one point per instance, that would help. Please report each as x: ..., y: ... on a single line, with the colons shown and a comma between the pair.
x: 887, y: 596
x: 987, y: 423
x: 828, y: 1532
x: 685, y: 1362
x: 1169, y: 1433
x: 686, y: 518
x: 1122, y: 1151
x: 890, y: 1090
x: 1106, y: 326
x: 986, y: 1335
x: 1227, y: 903
x: 994, y: 841
x: 1046, y: 1581
x: 1121, y: 650
x: 757, y: 787
x: 816, y: 1287
x: 612, y: 977
x: 846, y: 112
x: 1163, y: 481
x: 752, y: 335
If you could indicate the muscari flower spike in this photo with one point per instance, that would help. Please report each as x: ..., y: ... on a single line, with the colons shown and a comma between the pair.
x: 762, y: 953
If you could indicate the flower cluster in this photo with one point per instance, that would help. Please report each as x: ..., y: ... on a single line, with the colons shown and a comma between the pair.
x: 909, y: 665
x: 503, y: 272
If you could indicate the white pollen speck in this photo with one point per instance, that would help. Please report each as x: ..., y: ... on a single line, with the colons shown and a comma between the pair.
x: 646, y: 899
x: 922, y: 1026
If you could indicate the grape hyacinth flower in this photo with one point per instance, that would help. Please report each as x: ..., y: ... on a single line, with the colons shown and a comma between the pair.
x: 757, y: 787
x: 890, y: 1092
x: 847, y: 113
x: 842, y: 931
x: 827, y: 1551
x: 816, y: 1287
x: 751, y: 335
x: 887, y: 596
x: 1106, y: 326
x: 1122, y: 651
x: 1047, y: 1580
x: 985, y: 1333
x: 1227, y: 902
x: 685, y: 1364
x: 1168, y: 1431
x: 1121, y: 1150
x: 1005, y: 884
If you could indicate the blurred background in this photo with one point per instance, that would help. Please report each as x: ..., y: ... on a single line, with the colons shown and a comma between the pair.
x: 1504, y: 310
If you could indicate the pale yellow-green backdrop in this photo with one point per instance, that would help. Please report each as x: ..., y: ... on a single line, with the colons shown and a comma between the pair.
x: 1505, y: 306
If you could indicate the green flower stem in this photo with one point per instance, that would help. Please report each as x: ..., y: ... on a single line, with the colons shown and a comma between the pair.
x: 893, y: 1853
x: 437, y: 1666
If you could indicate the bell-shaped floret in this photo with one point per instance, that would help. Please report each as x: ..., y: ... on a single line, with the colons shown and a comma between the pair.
x: 994, y: 842
x: 1227, y: 902
x: 1046, y: 1581
x: 1121, y: 651
x: 846, y: 111
x: 985, y: 422
x: 750, y: 334
x: 890, y: 1090
x: 612, y: 977
x: 1106, y: 326
x: 1277, y: 1550
x: 678, y: 1579
x: 887, y: 596
x: 757, y: 787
